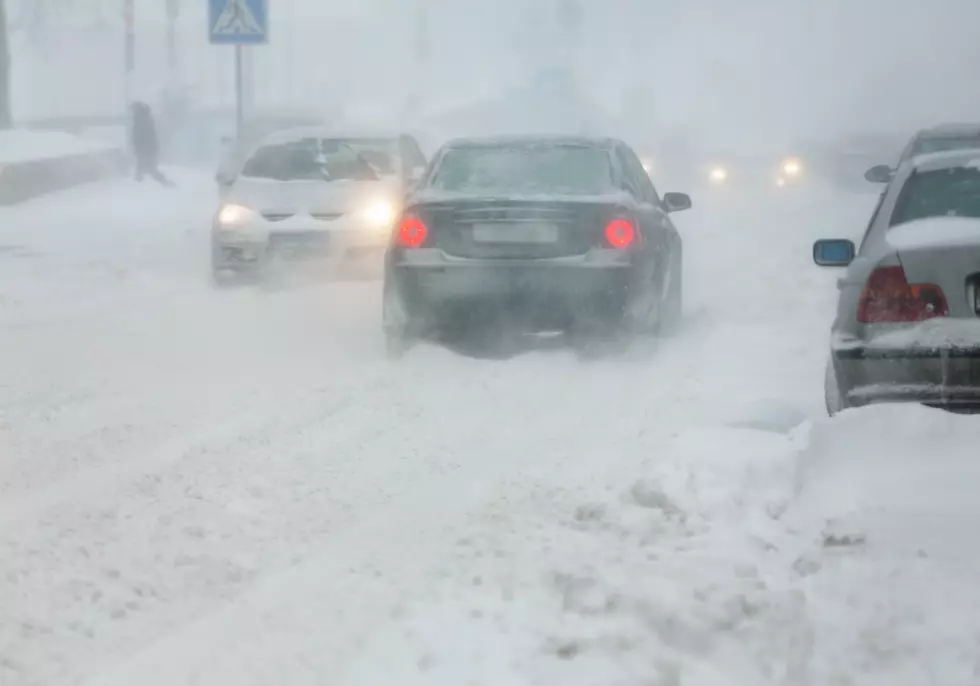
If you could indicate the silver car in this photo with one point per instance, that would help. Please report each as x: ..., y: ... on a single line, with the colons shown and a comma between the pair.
x: 940, y: 138
x: 311, y: 194
x: 908, y: 318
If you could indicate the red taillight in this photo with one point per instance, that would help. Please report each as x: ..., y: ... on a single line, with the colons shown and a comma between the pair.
x: 889, y: 297
x: 412, y: 232
x: 620, y: 233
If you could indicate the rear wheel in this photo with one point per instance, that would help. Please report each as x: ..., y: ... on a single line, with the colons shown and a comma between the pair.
x: 831, y: 392
x: 398, y: 329
x: 673, y: 307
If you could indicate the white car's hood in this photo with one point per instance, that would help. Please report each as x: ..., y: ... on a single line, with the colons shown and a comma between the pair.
x: 340, y: 197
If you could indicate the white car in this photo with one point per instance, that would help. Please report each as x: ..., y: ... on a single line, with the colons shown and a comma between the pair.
x: 311, y: 195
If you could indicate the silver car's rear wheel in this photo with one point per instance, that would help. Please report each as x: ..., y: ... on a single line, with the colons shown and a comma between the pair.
x: 832, y: 397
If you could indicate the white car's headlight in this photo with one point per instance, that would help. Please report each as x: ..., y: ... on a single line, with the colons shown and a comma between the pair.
x: 379, y: 214
x: 234, y: 215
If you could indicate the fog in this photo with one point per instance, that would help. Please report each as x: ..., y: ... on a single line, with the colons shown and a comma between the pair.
x: 746, y: 72
x: 217, y: 470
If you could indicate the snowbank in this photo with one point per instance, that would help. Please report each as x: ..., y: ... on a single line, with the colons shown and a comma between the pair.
x: 839, y: 553
x: 20, y: 145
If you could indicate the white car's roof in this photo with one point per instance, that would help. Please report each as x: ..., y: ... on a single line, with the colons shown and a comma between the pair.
x: 949, y: 159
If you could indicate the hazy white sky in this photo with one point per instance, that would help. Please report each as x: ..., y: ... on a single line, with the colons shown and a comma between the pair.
x: 743, y: 70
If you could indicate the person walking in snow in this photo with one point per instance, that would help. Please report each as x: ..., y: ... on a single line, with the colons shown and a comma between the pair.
x: 146, y: 145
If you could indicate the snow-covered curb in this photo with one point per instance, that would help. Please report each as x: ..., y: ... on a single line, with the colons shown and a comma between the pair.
x: 27, y: 145
x: 48, y: 171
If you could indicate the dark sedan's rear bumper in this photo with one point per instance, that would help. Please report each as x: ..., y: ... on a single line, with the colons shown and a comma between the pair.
x: 539, y: 294
x: 941, y: 377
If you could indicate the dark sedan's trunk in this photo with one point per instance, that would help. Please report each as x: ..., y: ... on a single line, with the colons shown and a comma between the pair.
x: 516, y: 229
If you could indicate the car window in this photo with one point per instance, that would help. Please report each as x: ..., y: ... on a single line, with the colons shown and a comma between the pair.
x: 322, y: 160
x: 412, y: 152
x: 638, y: 176
x: 944, y: 193
x: 525, y: 168
x: 874, y: 217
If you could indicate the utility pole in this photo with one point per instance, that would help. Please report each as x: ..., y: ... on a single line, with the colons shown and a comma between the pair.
x: 421, y: 52
x: 129, y: 49
x: 173, y: 11
x: 6, y: 120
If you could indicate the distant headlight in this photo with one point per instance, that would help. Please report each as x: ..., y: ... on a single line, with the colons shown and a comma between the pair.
x: 780, y: 181
x: 792, y: 167
x: 380, y: 214
x: 647, y: 165
x: 233, y: 215
x: 718, y: 174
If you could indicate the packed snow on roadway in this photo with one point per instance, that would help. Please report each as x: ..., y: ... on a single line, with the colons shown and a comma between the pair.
x: 237, y: 487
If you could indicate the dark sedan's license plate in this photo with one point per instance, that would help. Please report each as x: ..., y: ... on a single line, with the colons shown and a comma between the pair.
x: 521, y: 232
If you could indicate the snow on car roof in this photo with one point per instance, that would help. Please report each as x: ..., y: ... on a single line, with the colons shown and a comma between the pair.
x: 935, y: 231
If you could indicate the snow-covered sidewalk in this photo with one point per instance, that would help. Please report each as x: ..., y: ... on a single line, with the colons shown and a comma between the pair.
x: 102, y: 245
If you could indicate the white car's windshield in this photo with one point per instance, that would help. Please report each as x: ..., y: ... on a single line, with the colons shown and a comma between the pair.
x: 322, y: 159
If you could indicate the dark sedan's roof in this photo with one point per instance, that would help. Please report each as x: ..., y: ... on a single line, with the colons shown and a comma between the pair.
x: 504, y: 141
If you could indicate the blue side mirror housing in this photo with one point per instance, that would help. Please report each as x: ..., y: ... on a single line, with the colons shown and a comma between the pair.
x: 834, y: 252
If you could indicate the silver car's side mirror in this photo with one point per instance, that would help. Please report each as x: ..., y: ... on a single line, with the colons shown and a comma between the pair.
x: 880, y: 173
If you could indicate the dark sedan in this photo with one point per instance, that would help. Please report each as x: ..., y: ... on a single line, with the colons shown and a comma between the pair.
x: 535, y: 234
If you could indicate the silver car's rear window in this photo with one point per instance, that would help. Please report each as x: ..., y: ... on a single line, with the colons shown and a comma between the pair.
x: 944, y: 193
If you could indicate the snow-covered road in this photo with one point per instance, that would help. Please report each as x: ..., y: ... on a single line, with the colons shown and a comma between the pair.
x: 204, y: 487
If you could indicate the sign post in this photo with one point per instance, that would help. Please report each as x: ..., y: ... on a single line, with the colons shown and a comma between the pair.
x: 129, y: 50
x: 173, y: 12
x: 238, y: 23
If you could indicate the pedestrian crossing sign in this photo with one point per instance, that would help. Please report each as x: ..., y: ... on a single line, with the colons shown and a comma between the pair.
x: 238, y: 22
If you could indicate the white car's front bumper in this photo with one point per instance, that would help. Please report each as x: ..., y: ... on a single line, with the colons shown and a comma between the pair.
x: 296, y: 239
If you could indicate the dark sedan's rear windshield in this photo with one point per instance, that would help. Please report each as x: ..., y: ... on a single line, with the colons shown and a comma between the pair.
x: 525, y: 169
x: 928, y: 144
x: 945, y: 193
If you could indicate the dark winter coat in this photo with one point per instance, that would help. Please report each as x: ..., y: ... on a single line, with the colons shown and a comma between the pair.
x: 144, y: 134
